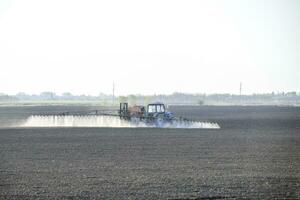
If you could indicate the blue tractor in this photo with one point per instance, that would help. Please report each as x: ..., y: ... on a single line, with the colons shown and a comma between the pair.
x: 154, y: 113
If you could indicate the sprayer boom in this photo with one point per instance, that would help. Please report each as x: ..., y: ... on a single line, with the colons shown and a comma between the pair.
x: 153, y: 115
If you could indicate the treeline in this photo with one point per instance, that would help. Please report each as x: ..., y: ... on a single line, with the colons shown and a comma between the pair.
x: 288, y: 98
x: 49, y: 96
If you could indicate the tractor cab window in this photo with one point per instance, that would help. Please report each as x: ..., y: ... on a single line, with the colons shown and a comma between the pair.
x: 156, y: 108
x: 151, y: 108
x: 160, y: 108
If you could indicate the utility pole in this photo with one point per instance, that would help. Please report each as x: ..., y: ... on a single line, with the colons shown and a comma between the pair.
x: 240, y: 89
x: 113, y: 99
x: 240, y: 92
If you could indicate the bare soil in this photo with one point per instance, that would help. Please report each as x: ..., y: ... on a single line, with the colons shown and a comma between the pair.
x: 255, y: 155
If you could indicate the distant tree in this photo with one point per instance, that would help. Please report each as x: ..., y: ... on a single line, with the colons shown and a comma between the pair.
x: 122, y: 99
x: 132, y: 99
x: 148, y: 99
x: 291, y: 94
x: 8, y: 98
x: 67, y: 95
x: 23, y: 96
x: 200, y: 102
x: 47, y: 95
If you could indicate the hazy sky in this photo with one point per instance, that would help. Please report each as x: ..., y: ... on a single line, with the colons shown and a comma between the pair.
x: 149, y: 47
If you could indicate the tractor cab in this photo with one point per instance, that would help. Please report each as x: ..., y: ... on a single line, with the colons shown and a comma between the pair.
x: 153, y: 111
x: 157, y: 112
